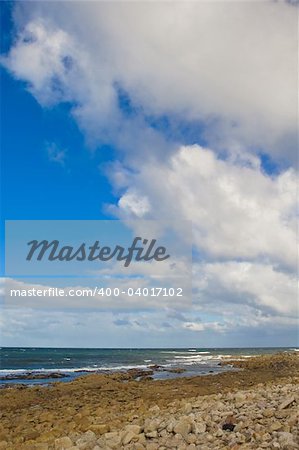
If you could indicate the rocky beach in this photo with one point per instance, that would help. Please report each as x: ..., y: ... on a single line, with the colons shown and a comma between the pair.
x: 255, y: 407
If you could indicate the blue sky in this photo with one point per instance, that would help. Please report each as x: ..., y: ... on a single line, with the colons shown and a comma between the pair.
x: 109, y: 120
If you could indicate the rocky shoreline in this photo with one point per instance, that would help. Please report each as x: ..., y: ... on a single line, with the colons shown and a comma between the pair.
x: 254, y: 408
x: 33, y: 376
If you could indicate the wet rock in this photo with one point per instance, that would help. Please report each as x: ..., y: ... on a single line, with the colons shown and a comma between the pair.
x: 155, y: 367
x: 34, y: 376
x: 175, y: 370
x: 145, y: 378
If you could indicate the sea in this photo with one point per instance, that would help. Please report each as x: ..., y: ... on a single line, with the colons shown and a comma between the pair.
x: 74, y: 362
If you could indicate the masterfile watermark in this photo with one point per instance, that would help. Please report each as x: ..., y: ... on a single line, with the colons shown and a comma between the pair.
x: 98, y: 264
x: 146, y: 251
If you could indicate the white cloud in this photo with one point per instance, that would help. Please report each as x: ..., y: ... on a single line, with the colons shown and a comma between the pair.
x: 232, y: 65
x: 56, y: 154
x: 199, y: 326
x: 259, y: 286
x: 38, y: 58
x: 244, y: 230
x: 132, y: 203
x: 27, y: 327
x: 237, y: 211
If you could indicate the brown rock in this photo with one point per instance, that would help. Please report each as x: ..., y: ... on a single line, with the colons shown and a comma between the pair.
x: 287, y: 402
x: 136, y: 429
x: 128, y: 437
x: 275, y: 426
x: 100, y: 428
x: 63, y: 443
x: 183, y: 427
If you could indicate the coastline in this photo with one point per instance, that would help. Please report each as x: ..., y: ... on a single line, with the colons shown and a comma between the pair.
x: 34, y: 366
x: 94, y: 405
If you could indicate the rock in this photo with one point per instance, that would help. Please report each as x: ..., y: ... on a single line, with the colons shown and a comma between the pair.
x: 191, y: 438
x: 286, y: 441
x: 175, y: 370
x: 151, y: 425
x: 187, y: 409
x: 136, y: 429
x: 138, y: 446
x: 240, y: 397
x: 63, y: 443
x: 154, y: 409
x: 263, y: 416
x: 152, y: 434
x: 199, y: 427
x: 275, y: 426
x: 128, y: 437
x: 152, y: 446
x: 113, y: 440
x: 111, y: 435
x: 34, y: 376
x: 287, y: 402
x: 145, y: 378
x: 132, y: 374
x: 31, y: 434
x: 86, y: 440
x: 154, y: 367
x: 183, y: 427
x: 268, y: 413
x: 100, y: 428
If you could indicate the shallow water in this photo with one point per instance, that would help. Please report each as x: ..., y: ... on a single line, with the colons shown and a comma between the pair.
x: 77, y: 362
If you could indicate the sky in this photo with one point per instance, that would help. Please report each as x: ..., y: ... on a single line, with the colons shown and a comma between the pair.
x: 159, y: 111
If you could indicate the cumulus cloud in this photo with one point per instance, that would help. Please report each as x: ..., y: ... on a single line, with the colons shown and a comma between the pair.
x: 259, y: 286
x: 244, y: 231
x: 237, y: 210
x: 232, y: 67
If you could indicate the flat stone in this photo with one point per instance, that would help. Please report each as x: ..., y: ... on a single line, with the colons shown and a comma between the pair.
x: 287, y: 402
x: 136, y: 429
x: 128, y: 437
x: 63, y: 443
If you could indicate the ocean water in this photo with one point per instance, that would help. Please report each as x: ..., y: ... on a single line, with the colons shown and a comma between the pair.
x: 76, y: 361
